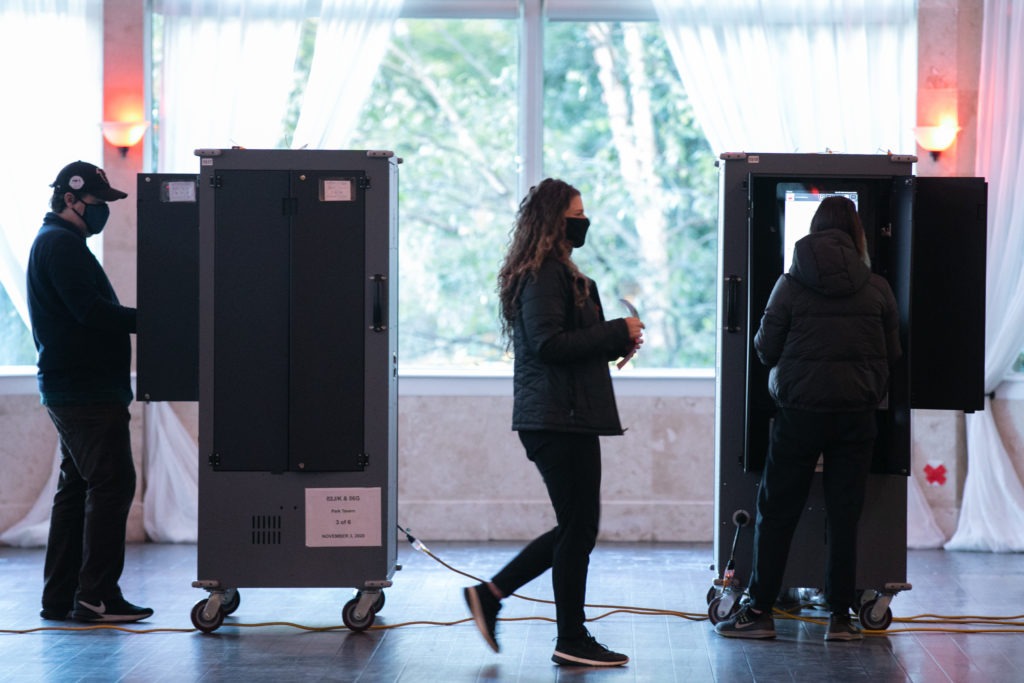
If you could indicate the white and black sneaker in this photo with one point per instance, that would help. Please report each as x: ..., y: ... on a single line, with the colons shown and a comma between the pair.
x: 748, y: 623
x: 585, y: 651
x: 113, y: 610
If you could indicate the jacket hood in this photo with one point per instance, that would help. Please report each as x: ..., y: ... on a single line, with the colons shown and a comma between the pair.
x: 827, y: 262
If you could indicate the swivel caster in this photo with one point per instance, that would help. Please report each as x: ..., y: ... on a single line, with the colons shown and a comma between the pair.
x: 874, y: 619
x: 353, y: 619
x: 207, y: 623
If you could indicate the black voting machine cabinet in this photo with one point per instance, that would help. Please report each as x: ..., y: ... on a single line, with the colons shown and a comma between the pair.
x: 926, y: 236
x: 268, y: 292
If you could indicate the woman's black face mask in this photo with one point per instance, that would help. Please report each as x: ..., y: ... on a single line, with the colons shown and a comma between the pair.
x: 576, y: 230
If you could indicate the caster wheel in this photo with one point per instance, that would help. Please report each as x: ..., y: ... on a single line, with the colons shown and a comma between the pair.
x: 348, y: 616
x: 712, y: 594
x: 714, y: 610
x: 201, y: 622
x: 379, y: 604
x: 863, y: 596
x: 869, y: 622
x: 229, y: 606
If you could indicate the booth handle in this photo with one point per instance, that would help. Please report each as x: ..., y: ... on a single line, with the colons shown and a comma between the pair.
x: 380, y: 282
x: 732, y: 303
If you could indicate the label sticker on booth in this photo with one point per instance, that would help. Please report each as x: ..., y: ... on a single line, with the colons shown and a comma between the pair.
x: 178, y: 191
x: 343, y: 517
x: 336, y: 190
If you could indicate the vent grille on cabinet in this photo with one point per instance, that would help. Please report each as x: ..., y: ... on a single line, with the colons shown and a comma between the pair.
x: 266, y: 529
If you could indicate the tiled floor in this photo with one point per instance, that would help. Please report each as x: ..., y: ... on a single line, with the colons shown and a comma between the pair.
x: 663, y: 647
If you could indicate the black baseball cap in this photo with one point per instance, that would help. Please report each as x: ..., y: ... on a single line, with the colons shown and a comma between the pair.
x: 81, y: 177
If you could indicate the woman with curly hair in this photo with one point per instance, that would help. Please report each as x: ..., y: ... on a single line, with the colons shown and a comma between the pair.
x: 563, y: 401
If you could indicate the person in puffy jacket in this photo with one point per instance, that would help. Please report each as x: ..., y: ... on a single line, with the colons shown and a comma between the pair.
x: 830, y: 334
x: 563, y: 402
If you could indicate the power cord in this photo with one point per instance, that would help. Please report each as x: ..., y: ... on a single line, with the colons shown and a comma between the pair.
x: 1008, y: 621
x: 1007, y: 624
x: 616, y: 609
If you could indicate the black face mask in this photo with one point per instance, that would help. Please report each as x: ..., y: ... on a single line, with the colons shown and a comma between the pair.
x: 95, y: 217
x: 576, y: 230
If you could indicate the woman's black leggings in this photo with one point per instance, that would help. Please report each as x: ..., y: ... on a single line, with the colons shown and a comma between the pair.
x: 571, y: 467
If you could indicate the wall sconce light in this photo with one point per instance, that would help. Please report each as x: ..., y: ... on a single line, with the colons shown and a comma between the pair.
x: 937, y: 139
x: 124, y: 134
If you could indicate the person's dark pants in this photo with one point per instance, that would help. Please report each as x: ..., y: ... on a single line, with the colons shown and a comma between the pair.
x: 571, y: 467
x: 846, y: 440
x: 85, y: 549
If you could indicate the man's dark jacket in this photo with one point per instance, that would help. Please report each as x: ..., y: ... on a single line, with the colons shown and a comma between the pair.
x: 81, y: 331
x: 562, y: 351
x: 830, y: 332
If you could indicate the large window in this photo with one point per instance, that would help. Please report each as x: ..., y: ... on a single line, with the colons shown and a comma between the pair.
x: 616, y: 124
x: 604, y: 109
x: 16, y: 346
x: 481, y: 99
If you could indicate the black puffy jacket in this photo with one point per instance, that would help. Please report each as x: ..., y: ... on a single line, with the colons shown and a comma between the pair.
x: 562, y: 350
x: 830, y: 332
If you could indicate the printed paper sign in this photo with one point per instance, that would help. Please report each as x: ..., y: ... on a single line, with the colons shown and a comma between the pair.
x: 180, y: 191
x: 336, y: 191
x: 343, y: 517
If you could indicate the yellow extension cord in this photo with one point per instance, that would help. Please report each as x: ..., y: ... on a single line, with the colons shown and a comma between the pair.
x: 1008, y: 624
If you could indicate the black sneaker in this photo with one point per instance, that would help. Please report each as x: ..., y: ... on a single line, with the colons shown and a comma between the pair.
x: 484, y: 607
x: 114, y: 610
x: 585, y: 651
x: 840, y: 627
x: 55, y: 613
x: 747, y: 624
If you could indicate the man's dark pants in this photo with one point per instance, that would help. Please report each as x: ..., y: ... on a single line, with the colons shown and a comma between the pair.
x: 85, y: 549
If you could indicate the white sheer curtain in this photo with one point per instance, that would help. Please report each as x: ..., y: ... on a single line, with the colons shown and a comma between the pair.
x: 60, y: 45
x: 922, y: 530
x: 170, y: 506
x: 226, y: 72
x: 798, y: 75
x: 351, y: 40
x: 39, y: 134
x: 992, y: 512
x: 32, y: 530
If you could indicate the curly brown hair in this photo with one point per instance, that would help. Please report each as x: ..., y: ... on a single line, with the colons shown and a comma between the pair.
x: 539, y: 233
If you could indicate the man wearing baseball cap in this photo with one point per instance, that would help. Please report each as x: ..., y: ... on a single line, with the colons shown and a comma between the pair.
x: 82, y: 335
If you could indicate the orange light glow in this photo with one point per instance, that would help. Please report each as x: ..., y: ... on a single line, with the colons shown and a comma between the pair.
x: 124, y: 134
x: 937, y: 138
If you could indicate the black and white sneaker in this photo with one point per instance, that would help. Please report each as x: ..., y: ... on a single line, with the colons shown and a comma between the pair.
x: 585, y: 651
x: 114, y: 610
x: 484, y: 607
x: 747, y: 624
